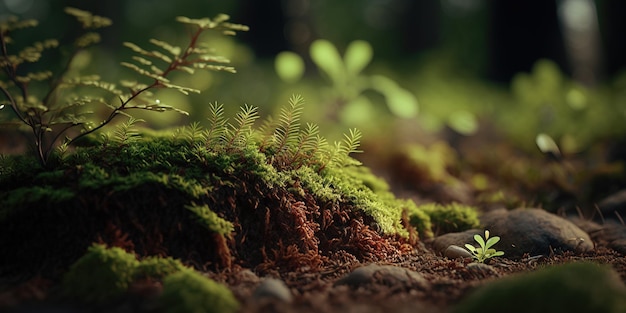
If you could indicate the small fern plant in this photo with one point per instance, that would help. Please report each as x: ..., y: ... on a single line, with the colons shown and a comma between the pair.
x: 485, y: 250
x: 57, y: 116
x: 287, y: 144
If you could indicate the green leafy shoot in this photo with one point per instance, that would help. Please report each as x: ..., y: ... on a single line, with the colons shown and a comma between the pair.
x: 238, y: 135
x: 485, y: 250
x: 289, y: 125
x: 126, y: 132
x: 217, y: 125
x: 194, y: 133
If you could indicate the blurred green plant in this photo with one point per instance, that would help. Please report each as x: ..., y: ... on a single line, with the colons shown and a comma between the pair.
x: 545, y: 102
x: 60, y: 109
x: 347, y: 97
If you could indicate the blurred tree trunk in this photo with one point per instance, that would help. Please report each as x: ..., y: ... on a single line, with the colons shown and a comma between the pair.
x: 612, y: 18
x: 520, y: 33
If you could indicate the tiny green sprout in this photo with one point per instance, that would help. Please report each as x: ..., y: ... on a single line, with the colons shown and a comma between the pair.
x: 484, y: 252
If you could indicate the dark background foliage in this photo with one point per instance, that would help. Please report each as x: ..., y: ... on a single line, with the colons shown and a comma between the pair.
x: 495, y: 39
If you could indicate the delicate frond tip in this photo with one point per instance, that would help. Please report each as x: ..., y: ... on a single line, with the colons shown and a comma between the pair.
x: 174, y: 51
x: 217, y: 123
x: 286, y: 133
x: 240, y: 133
x: 219, y: 23
x: 126, y: 132
x: 13, y: 23
x: 87, y: 40
x: 352, y: 141
x: 87, y: 19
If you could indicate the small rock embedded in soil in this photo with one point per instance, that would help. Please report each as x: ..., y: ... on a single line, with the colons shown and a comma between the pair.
x: 481, y: 270
x: 441, y: 243
x: 387, y: 274
x: 454, y: 252
x: 521, y: 231
x: 271, y: 288
x: 534, y: 231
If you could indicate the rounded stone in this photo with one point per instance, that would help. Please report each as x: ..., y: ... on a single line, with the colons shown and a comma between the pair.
x: 534, y: 232
x: 274, y: 289
x: 388, y: 274
x: 456, y: 252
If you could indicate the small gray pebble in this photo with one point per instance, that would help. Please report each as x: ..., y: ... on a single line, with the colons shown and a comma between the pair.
x: 454, y: 251
x: 272, y: 288
x: 482, y: 269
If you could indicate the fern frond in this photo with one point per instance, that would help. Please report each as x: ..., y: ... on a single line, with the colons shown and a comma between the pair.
x: 307, y: 145
x: 217, y: 124
x: 13, y: 23
x: 351, y: 142
x: 266, y: 133
x: 239, y: 134
x: 339, y: 154
x: 140, y: 71
x: 126, y: 133
x: 87, y: 40
x: 87, y: 19
x: 32, y: 53
x: 289, y: 125
x: 194, y: 133
x: 173, y: 50
x: 155, y: 106
x: 217, y: 23
x: 37, y: 76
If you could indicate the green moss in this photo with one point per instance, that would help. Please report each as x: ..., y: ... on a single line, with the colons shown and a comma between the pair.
x: 453, y: 217
x: 419, y: 219
x: 15, y: 199
x: 190, y: 292
x: 100, y: 275
x: 158, y: 268
x: 564, y: 288
x: 103, y: 274
x: 211, y: 220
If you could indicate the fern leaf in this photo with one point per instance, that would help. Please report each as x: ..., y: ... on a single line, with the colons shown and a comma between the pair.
x: 351, y: 142
x: 87, y: 40
x: 126, y: 133
x: 217, y: 124
x: 13, y: 23
x: 143, y: 72
x: 289, y: 124
x: 307, y: 145
x: 181, y: 89
x: 339, y: 155
x: 174, y: 51
x: 266, y: 133
x: 87, y: 19
x: 238, y: 135
x: 142, y: 60
x: 194, y: 133
x: 212, y: 67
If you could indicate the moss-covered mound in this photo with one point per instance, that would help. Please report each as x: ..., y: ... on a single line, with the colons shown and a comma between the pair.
x: 214, y: 198
x: 105, y: 274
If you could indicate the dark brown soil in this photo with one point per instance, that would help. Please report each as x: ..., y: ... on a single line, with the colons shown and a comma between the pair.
x: 315, y: 290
